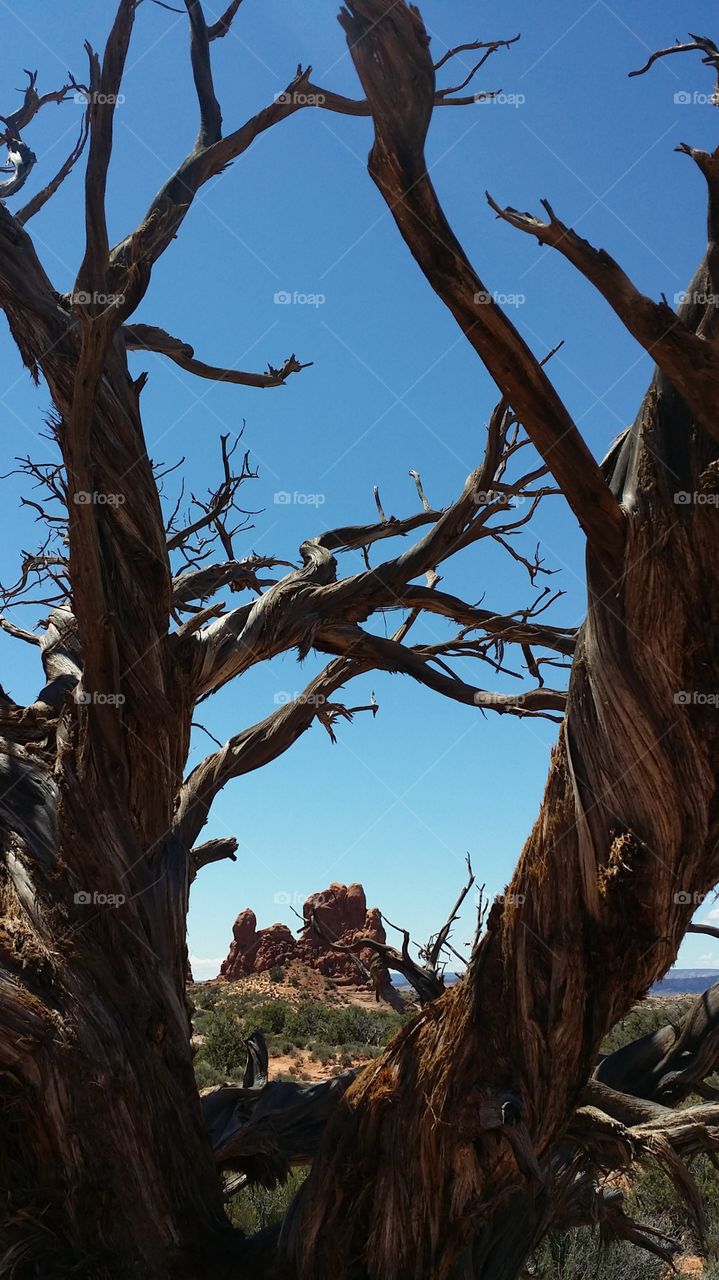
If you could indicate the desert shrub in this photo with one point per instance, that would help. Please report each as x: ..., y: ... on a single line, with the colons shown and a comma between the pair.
x: 272, y: 1016
x: 205, y: 995
x: 641, y: 1020
x: 277, y: 973
x: 255, y: 1207
x: 224, y: 1047
x: 576, y: 1255
x: 206, y: 1075
x: 322, y: 1053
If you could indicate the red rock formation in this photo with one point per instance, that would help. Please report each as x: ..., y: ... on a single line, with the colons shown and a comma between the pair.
x: 342, y: 914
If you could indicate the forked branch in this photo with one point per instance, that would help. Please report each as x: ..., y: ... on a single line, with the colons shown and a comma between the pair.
x: 389, y: 46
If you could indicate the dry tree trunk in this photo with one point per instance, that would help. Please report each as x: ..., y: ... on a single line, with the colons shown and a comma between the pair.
x: 105, y: 1129
x: 629, y: 818
x: 429, y: 1144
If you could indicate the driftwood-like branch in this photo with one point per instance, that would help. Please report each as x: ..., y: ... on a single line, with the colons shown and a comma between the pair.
x: 146, y: 337
x: 213, y: 851
x: 132, y: 259
x: 389, y: 655
x: 669, y: 1064
x: 263, y: 1132
x: 699, y: 44
x: 708, y: 164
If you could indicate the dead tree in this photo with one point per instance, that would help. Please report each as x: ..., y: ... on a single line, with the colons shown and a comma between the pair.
x: 105, y: 1162
x: 597, y: 907
x: 474, y: 1111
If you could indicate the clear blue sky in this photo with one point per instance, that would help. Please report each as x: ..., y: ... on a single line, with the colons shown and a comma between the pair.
x: 394, y: 386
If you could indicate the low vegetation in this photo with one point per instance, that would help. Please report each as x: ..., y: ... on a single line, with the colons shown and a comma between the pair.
x: 339, y: 1036
x: 310, y: 1030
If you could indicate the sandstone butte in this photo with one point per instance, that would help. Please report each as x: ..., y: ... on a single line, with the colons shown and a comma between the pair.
x: 343, y: 916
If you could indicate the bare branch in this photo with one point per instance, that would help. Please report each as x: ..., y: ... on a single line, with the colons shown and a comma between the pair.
x: 256, y: 746
x: 699, y: 44
x: 708, y: 163
x: 145, y: 337
x: 210, y: 114
x: 389, y: 47
x: 690, y: 363
x: 104, y: 90
x: 213, y: 851
x: 223, y: 24
x: 40, y: 200
x: 435, y: 946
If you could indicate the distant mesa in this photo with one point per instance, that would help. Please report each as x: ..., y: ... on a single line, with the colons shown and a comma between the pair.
x: 342, y: 915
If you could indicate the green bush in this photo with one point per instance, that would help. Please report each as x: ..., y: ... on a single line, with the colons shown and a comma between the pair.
x: 255, y: 1207
x: 224, y: 1047
x: 271, y: 1016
